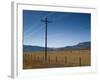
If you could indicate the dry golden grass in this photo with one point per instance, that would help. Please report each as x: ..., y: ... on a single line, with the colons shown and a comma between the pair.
x: 66, y: 58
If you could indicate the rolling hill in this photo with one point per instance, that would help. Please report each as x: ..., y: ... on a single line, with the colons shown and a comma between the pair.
x: 82, y: 45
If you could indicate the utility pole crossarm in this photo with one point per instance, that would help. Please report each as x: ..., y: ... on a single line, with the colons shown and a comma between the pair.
x: 46, y: 20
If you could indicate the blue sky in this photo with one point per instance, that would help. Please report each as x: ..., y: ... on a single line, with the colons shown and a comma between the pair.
x: 66, y: 28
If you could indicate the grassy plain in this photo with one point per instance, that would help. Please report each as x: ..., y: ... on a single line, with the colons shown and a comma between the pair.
x: 65, y: 58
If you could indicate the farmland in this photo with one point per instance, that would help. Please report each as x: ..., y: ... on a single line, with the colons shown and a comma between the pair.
x: 57, y: 58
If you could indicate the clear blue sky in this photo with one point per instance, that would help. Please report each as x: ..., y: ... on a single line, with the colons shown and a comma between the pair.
x: 66, y: 28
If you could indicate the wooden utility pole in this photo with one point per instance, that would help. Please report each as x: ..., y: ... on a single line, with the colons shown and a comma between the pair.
x: 46, y: 24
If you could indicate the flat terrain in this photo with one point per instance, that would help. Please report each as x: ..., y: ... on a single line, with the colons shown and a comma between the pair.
x: 65, y: 58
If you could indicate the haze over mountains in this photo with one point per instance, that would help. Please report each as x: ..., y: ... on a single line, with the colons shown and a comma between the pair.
x: 82, y: 45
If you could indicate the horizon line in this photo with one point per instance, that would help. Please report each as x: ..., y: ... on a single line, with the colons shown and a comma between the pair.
x: 55, y: 47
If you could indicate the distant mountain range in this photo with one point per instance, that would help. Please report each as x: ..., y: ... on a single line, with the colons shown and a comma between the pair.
x: 34, y: 48
x: 82, y: 45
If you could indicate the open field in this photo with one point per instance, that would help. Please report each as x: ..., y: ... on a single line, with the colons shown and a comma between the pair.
x: 65, y: 58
